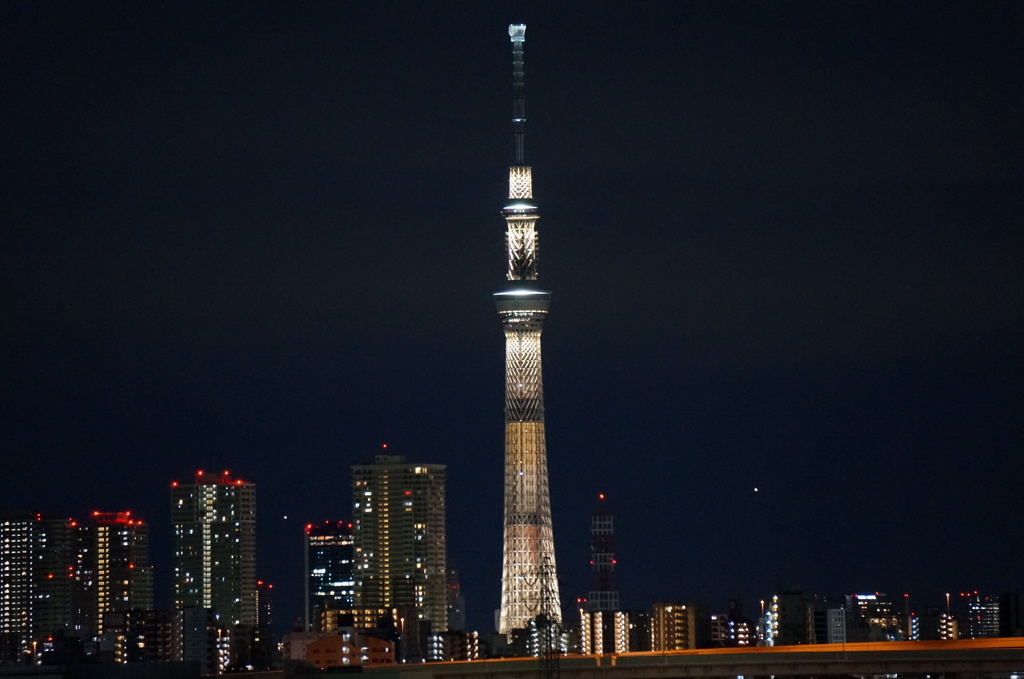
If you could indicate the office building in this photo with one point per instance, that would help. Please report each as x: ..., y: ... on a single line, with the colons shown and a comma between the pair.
x: 830, y: 625
x: 980, y: 615
x: 829, y: 619
x: 874, y: 617
x: 330, y: 584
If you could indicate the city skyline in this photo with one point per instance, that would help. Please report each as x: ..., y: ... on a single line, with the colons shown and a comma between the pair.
x: 973, y: 614
x: 784, y: 240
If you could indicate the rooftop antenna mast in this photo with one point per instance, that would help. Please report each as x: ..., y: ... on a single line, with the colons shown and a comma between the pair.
x: 517, y: 32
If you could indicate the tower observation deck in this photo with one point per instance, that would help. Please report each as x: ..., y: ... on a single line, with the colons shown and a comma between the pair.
x: 529, y: 587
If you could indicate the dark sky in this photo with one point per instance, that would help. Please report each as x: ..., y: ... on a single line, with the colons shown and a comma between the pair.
x: 784, y: 241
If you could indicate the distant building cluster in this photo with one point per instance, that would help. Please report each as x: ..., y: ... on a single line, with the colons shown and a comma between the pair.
x: 64, y: 581
x: 383, y: 577
x: 788, y: 618
x: 379, y: 589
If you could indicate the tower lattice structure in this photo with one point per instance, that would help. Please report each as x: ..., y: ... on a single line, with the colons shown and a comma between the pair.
x: 529, y: 587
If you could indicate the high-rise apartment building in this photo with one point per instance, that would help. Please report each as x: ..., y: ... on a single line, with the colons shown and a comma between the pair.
x: 36, y: 584
x: 529, y: 586
x: 329, y: 568
x: 61, y: 577
x: 119, y: 563
x: 214, y: 545
x: 399, y: 538
x: 603, y: 632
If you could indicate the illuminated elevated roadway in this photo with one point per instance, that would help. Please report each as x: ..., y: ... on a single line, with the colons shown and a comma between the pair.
x: 964, y: 656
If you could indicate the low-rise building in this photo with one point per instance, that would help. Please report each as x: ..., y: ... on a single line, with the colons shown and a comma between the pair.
x: 349, y: 648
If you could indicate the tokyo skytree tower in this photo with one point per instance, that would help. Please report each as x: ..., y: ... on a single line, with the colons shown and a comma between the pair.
x: 528, y: 584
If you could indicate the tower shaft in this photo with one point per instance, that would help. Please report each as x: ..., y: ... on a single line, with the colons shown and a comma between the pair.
x: 529, y: 587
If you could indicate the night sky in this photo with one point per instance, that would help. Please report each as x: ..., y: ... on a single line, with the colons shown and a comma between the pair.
x: 784, y: 241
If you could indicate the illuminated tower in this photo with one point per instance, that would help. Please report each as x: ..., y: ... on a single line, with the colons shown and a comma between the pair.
x: 215, y: 547
x: 528, y: 584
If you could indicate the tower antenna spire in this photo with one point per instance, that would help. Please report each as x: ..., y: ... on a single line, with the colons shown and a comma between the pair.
x: 517, y: 32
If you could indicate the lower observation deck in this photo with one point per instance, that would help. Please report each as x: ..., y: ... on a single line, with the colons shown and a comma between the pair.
x: 522, y: 299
